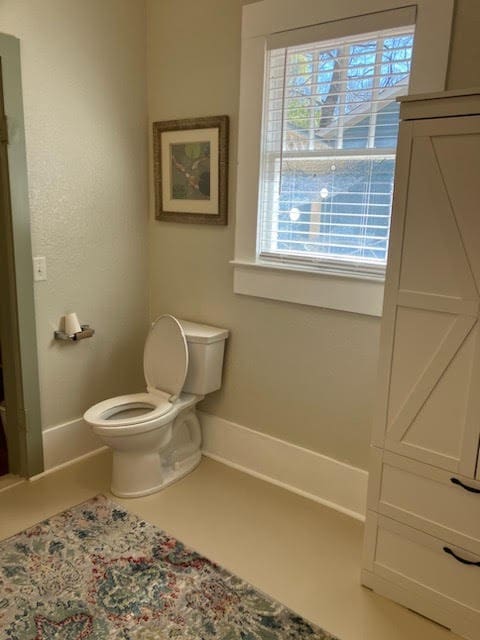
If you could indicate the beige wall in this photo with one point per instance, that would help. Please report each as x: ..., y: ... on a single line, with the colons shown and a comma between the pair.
x: 83, y: 66
x: 299, y: 373
x: 302, y: 374
x: 464, y: 67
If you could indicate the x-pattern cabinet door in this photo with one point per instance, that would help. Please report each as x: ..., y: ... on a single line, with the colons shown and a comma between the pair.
x: 431, y: 355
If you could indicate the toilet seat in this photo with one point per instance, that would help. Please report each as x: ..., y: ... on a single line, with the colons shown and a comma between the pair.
x: 103, y: 413
x: 165, y: 365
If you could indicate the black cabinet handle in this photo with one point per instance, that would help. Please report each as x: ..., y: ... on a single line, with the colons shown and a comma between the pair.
x: 459, y: 559
x: 464, y: 486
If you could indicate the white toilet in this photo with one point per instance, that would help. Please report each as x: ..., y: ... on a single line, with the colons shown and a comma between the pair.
x: 155, y: 436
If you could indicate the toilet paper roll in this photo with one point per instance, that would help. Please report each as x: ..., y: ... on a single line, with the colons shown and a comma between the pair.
x: 72, y: 325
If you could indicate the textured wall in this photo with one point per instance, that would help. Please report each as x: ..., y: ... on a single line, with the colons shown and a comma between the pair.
x: 83, y: 66
x: 303, y: 374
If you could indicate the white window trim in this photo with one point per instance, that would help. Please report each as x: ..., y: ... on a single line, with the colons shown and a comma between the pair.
x: 304, y: 285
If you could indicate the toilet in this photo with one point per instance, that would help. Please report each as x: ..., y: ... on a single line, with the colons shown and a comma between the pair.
x: 155, y: 436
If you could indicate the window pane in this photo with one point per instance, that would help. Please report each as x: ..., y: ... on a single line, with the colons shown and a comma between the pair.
x: 333, y: 208
x: 386, y: 126
x: 360, y: 74
x: 330, y: 134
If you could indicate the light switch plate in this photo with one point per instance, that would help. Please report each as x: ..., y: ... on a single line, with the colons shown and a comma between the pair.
x: 39, y: 268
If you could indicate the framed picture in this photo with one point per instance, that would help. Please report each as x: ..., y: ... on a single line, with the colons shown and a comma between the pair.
x: 191, y: 170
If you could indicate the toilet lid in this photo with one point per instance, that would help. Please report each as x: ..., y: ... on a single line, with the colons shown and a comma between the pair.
x: 165, y: 357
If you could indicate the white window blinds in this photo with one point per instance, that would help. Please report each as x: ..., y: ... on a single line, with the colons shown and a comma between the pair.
x: 330, y: 127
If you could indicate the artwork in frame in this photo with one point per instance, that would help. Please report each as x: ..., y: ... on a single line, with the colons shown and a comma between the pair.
x: 191, y: 170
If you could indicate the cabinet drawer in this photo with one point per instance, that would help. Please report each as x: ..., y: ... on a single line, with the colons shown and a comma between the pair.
x: 419, y: 562
x: 426, y: 498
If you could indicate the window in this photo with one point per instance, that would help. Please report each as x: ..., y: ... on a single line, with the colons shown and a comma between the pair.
x: 330, y: 125
x: 317, y: 142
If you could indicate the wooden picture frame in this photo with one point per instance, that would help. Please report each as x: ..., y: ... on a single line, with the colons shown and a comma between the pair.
x: 190, y: 162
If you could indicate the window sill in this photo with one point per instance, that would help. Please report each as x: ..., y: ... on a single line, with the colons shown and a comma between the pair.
x: 354, y: 294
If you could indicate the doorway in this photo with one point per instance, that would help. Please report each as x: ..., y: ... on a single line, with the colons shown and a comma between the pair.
x: 22, y: 437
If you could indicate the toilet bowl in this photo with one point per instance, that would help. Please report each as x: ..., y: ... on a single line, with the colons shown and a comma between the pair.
x: 155, y: 436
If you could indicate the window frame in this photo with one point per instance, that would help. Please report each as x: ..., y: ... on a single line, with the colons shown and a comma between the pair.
x: 315, y: 285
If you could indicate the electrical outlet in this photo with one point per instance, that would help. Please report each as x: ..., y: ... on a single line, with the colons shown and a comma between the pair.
x: 39, y: 268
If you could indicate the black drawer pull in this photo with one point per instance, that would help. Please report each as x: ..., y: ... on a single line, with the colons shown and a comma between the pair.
x: 464, y: 486
x: 462, y: 560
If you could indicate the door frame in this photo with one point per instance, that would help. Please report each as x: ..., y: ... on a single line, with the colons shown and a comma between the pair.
x: 19, y: 343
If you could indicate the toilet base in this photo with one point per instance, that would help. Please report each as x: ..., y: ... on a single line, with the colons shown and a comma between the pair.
x: 130, y: 479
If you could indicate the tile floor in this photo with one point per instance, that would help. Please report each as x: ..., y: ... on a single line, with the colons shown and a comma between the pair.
x: 304, y: 555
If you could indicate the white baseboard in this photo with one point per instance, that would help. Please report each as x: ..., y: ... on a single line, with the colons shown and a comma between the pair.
x: 65, y: 442
x: 310, y: 474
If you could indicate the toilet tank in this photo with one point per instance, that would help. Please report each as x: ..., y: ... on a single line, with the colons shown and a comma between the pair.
x: 206, y: 346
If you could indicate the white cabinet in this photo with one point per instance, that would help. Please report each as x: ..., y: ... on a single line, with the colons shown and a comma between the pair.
x: 422, y: 545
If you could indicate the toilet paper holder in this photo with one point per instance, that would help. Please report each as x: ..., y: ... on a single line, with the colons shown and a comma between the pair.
x: 86, y: 332
x: 72, y: 330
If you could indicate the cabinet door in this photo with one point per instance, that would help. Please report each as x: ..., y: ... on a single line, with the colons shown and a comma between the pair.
x: 430, y: 371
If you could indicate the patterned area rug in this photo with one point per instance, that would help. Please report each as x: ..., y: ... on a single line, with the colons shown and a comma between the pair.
x: 97, y: 572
